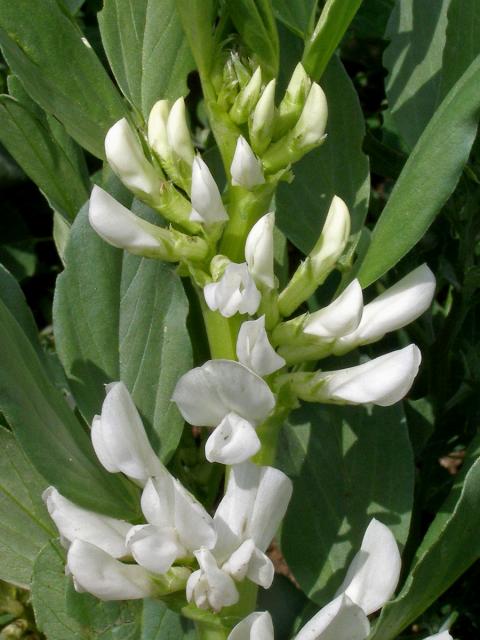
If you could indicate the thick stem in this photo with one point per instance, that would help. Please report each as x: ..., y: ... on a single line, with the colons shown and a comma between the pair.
x: 207, y: 631
x: 221, y: 332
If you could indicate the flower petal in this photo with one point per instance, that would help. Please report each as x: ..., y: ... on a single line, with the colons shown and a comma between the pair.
x: 235, y: 292
x: 254, y: 349
x: 339, y: 619
x: 154, y: 548
x: 95, y: 571
x: 340, y: 317
x: 374, y: 571
x: 206, y: 394
x: 233, y: 441
x: 246, y: 168
x: 206, y: 199
x: 259, y: 251
x: 442, y: 635
x: 256, y: 626
x: 74, y: 522
x: 119, y: 438
x: 210, y: 586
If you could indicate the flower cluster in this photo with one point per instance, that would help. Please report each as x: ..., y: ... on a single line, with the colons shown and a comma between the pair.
x: 117, y: 560
x: 225, y: 242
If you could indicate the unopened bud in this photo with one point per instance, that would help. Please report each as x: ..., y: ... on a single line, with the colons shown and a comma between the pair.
x: 207, y: 205
x: 247, y: 98
x: 293, y: 101
x: 246, y: 168
x: 259, y: 251
x: 121, y: 228
x: 261, y: 124
x: 178, y: 132
x: 125, y: 155
x: 321, y: 260
x: 157, y: 129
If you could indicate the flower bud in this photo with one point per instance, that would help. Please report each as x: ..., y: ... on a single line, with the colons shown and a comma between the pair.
x: 293, y: 102
x: 125, y: 155
x: 121, y: 228
x: 247, y: 98
x: 259, y: 251
x: 256, y: 626
x: 207, y: 205
x: 255, y: 351
x: 321, y: 260
x: 261, y: 123
x: 157, y: 129
x: 381, y: 381
x: 246, y: 168
x: 179, y: 134
x: 340, y: 317
x: 394, y: 308
x: 310, y: 128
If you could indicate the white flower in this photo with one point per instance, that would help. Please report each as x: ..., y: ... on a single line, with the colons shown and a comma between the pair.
x: 207, y: 205
x: 125, y: 155
x: 121, y: 228
x: 261, y: 123
x: 256, y: 626
x: 247, y: 518
x: 246, y: 168
x: 119, y: 438
x: 178, y: 132
x: 95, y: 571
x: 226, y: 395
x: 342, y: 316
x: 373, y: 574
x: 310, y: 128
x: 254, y: 349
x: 394, y: 308
x: 178, y: 525
x: 157, y: 129
x: 235, y: 292
x: 74, y: 522
x: 382, y: 381
x: 247, y: 98
x: 210, y: 587
x: 259, y: 251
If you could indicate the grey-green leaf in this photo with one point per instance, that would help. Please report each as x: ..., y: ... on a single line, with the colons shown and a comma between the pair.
x: 338, y: 167
x: 450, y: 546
x: 33, y: 146
x: 121, y: 317
x: 147, y: 50
x: 60, y: 69
x: 428, y: 178
x: 25, y: 526
x: 416, y: 31
x: 348, y: 464
x: 51, y: 436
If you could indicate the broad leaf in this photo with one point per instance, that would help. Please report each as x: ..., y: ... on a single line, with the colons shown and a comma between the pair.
x: 255, y: 23
x: 450, y: 546
x: 297, y: 15
x: 49, y: 433
x: 321, y: 45
x: 35, y: 149
x: 120, y: 317
x: 63, y: 614
x: 348, y: 464
x: 416, y: 31
x: 428, y: 178
x: 60, y: 69
x: 147, y: 50
x: 338, y: 167
x: 463, y: 44
x: 25, y: 526
x: 197, y: 17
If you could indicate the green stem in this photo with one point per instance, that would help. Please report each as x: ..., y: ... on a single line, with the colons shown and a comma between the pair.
x: 221, y: 332
x: 206, y: 631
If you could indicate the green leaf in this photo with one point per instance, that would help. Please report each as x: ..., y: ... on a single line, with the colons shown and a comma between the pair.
x: 297, y: 15
x: 255, y: 22
x: 59, y: 69
x: 121, y: 317
x: 463, y: 44
x: 338, y: 167
x: 413, y: 58
x: 451, y: 545
x: 428, y: 178
x: 348, y: 464
x: 147, y: 50
x: 321, y: 45
x: 35, y: 149
x: 49, y: 433
x: 25, y: 526
x: 197, y: 17
x: 63, y: 614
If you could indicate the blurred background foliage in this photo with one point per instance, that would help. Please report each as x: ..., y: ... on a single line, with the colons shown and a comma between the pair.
x: 442, y: 426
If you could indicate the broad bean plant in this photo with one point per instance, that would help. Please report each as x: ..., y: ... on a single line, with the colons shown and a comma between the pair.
x: 226, y: 397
